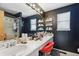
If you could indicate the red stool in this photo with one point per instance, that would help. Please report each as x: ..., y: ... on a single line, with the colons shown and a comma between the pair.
x: 47, y: 48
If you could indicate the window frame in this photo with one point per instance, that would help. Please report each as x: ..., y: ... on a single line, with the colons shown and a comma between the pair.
x: 64, y: 14
x: 33, y: 24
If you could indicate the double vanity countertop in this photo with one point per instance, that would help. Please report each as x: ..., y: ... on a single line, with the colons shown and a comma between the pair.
x: 25, y: 49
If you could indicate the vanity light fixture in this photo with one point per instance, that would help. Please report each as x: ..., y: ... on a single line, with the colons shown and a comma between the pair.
x: 32, y: 5
x: 36, y: 7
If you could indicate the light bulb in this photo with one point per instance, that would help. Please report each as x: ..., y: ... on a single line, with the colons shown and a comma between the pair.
x: 33, y: 5
x: 41, y: 12
x: 38, y: 9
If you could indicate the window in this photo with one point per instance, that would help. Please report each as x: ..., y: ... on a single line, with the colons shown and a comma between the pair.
x: 63, y: 21
x: 33, y: 24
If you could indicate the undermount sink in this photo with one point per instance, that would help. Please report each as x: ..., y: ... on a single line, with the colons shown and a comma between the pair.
x: 12, y: 51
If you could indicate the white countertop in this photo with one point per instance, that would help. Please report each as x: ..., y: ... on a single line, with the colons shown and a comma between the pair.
x: 24, y: 49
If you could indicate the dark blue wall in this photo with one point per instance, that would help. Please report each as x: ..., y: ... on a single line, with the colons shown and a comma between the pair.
x: 69, y: 40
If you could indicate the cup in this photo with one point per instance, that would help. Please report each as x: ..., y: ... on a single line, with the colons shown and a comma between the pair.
x: 6, y: 44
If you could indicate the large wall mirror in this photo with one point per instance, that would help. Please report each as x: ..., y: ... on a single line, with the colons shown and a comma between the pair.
x: 11, y: 27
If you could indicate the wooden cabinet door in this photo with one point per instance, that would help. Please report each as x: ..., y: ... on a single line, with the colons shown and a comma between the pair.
x: 1, y: 25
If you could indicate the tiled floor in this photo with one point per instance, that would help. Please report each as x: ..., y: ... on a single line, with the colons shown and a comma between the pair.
x: 68, y: 53
x: 58, y: 52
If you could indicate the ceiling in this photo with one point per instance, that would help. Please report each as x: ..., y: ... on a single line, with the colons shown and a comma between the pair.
x: 28, y: 11
x: 51, y: 6
x: 18, y: 7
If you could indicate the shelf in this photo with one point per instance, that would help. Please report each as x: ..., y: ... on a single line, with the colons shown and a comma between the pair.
x: 40, y: 30
x: 48, y: 22
x: 48, y: 30
x: 48, y: 26
x: 40, y: 26
x: 48, y: 19
x: 40, y: 21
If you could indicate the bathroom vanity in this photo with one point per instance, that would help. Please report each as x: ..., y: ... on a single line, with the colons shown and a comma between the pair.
x: 10, y: 29
x: 30, y: 49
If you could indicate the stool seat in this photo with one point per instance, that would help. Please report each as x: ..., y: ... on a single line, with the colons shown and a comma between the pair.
x: 47, y: 48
